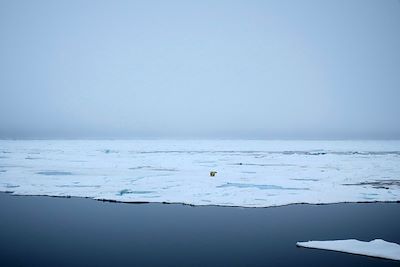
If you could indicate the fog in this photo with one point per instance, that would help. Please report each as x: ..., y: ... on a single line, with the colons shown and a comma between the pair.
x: 200, y: 69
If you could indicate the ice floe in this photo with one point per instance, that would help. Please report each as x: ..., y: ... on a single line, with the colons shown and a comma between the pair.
x: 375, y: 248
x: 249, y: 173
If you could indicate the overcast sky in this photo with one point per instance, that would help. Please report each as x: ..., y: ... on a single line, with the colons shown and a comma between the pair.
x: 200, y: 69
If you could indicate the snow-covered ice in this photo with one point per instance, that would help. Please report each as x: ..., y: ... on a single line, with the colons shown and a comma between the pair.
x: 375, y: 248
x: 250, y: 173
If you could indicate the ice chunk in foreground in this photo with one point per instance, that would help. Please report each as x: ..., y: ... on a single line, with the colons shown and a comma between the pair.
x: 375, y: 248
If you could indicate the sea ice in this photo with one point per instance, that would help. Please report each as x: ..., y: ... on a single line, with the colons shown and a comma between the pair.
x: 375, y: 248
x: 249, y: 173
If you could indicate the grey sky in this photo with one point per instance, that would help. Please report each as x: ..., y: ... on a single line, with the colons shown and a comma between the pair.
x: 200, y: 69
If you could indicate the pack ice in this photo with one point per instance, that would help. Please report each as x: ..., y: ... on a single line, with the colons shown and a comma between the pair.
x: 250, y: 173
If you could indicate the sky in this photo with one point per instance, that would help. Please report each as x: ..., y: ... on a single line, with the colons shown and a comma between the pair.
x: 200, y: 69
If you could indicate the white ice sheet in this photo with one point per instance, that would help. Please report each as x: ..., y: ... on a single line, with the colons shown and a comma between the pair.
x: 250, y: 173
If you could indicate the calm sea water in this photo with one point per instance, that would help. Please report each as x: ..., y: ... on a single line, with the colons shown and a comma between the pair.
x: 45, y: 231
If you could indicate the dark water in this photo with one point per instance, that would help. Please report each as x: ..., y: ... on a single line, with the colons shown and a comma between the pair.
x: 44, y: 231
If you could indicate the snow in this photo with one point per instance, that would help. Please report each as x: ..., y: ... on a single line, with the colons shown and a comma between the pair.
x: 250, y: 173
x: 375, y: 248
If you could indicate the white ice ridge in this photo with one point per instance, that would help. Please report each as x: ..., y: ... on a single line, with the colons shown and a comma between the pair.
x: 375, y: 248
x: 250, y: 173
